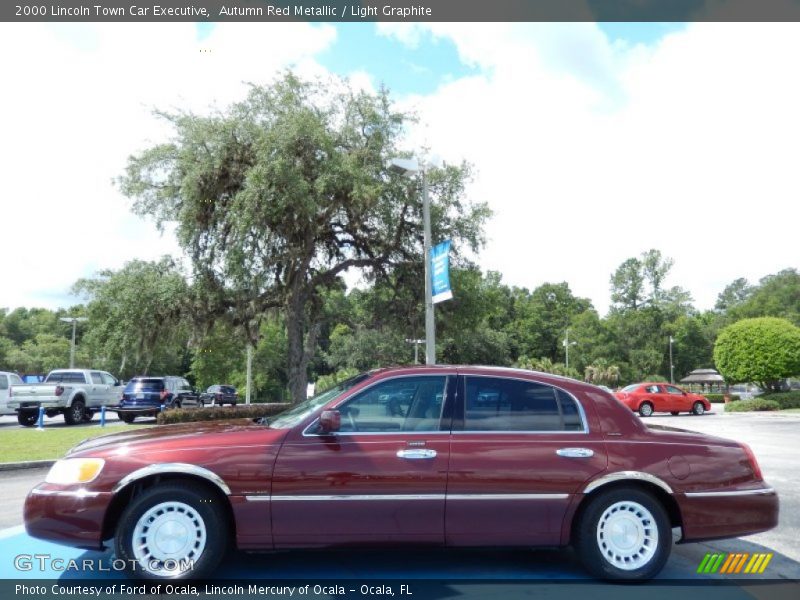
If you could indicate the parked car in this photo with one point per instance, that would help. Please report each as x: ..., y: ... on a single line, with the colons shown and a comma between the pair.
x: 745, y: 391
x: 647, y: 398
x: 145, y: 395
x: 75, y: 393
x: 219, y: 394
x: 481, y: 456
x: 6, y: 381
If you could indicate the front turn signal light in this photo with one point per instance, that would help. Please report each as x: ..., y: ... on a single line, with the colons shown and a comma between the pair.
x: 75, y: 470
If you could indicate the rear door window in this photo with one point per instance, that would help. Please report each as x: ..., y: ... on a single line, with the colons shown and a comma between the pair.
x: 500, y: 404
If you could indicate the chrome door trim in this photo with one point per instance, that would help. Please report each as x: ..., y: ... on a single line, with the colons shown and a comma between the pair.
x: 395, y: 497
x: 758, y: 492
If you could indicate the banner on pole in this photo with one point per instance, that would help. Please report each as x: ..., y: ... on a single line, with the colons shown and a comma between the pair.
x: 440, y: 272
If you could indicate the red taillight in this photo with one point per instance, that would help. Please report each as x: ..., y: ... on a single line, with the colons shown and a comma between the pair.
x: 59, y: 390
x: 753, y: 462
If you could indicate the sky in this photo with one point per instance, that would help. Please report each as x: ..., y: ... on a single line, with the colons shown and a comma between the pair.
x: 591, y: 143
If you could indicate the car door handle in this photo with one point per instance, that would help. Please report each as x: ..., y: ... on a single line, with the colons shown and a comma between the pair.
x: 416, y: 453
x: 575, y: 452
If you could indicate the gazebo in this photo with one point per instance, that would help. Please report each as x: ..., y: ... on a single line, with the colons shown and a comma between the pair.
x: 705, y: 377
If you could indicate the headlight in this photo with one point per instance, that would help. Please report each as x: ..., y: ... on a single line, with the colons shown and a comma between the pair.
x: 75, y: 470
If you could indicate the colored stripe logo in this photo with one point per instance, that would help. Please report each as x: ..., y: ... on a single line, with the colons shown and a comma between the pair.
x: 734, y: 563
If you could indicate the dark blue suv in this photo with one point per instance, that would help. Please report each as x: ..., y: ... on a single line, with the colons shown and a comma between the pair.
x: 144, y: 396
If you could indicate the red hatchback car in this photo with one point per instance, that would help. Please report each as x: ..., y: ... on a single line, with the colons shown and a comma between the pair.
x: 442, y: 455
x: 647, y: 398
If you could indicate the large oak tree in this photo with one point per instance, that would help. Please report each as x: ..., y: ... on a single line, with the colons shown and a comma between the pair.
x: 278, y: 196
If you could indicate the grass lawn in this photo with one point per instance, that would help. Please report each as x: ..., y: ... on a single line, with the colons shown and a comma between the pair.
x: 18, y: 445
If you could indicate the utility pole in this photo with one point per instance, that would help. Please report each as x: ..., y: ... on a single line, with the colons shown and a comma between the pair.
x: 671, y: 366
x: 74, y: 321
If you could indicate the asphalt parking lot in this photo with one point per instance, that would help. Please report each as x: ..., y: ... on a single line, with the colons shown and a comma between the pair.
x: 772, y: 437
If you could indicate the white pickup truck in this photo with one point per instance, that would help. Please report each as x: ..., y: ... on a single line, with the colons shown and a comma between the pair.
x: 75, y: 393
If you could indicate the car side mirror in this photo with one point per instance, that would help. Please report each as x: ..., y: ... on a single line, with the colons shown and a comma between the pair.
x: 330, y: 421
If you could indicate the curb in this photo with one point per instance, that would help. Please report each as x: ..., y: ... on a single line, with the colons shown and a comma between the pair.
x: 31, y: 464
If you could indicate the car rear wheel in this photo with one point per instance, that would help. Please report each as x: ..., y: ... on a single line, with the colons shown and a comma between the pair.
x: 75, y: 413
x: 624, y: 534
x: 27, y: 419
x: 125, y: 418
x: 172, y: 532
x: 645, y: 409
x: 698, y: 408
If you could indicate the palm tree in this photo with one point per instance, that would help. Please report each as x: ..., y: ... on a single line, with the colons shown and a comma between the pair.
x: 600, y: 372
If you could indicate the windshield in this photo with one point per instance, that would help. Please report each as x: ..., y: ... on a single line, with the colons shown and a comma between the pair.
x: 296, y: 414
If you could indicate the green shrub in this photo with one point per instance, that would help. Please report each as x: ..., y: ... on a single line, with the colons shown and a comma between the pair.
x: 718, y: 398
x: 784, y: 399
x: 216, y: 413
x: 756, y: 404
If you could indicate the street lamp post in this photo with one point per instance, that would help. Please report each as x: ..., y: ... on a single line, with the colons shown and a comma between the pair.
x: 416, y: 348
x: 74, y: 321
x: 567, y: 344
x: 407, y: 167
x: 671, y: 366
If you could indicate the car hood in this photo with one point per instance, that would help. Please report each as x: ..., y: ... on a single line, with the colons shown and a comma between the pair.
x: 211, y: 434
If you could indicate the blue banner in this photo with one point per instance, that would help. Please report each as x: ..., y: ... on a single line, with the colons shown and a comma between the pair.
x: 440, y: 272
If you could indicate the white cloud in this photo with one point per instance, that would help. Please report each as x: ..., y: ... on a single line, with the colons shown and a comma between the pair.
x: 77, y: 102
x: 588, y: 151
x: 688, y: 147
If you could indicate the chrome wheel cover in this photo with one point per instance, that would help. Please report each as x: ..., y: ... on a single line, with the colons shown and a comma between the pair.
x: 627, y: 535
x: 699, y: 409
x: 646, y: 410
x: 168, y: 538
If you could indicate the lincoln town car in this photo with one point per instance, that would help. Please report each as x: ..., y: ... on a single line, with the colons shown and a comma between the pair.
x: 433, y: 456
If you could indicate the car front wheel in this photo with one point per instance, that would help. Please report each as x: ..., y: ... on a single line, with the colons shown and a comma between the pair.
x: 624, y: 534
x: 172, y: 531
x: 646, y: 409
x: 126, y: 418
x: 698, y: 408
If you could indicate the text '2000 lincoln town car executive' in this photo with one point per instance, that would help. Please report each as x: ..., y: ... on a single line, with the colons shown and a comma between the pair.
x: 447, y: 456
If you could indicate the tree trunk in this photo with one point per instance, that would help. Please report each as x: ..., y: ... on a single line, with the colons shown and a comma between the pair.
x: 296, y: 355
x: 302, y: 329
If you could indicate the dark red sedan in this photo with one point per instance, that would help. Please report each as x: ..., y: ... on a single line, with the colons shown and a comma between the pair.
x: 441, y: 456
x: 647, y: 398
